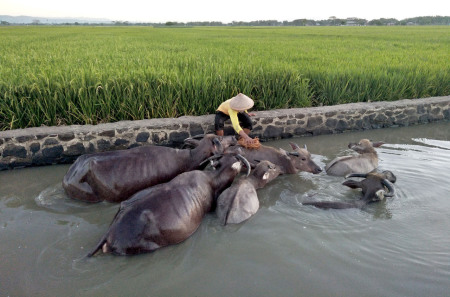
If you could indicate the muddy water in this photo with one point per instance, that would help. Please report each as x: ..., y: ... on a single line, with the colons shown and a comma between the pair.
x: 400, y: 247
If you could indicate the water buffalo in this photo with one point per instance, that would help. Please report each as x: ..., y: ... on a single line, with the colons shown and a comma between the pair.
x: 168, y: 213
x: 373, y: 188
x: 366, y: 160
x: 240, y: 201
x: 115, y: 176
x: 288, y: 162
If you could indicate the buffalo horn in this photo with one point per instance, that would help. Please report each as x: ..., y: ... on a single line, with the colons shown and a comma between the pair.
x: 363, y: 175
x: 377, y: 143
x: 294, y: 154
x: 190, y: 142
x: 244, y: 160
x: 305, y: 147
x: 389, y: 186
x: 218, y: 145
x: 390, y: 176
x: 213, y: 157
x: 198, y: 136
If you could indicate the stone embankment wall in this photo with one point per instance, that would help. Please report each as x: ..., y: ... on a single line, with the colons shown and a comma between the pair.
x: 51, y: 145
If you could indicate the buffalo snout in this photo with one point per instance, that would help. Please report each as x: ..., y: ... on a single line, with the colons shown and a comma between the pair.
x: 317, y: 170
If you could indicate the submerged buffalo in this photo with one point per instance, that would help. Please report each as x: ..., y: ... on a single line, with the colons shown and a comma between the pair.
x: 365, y: 162
x: 375, y: 187
x: 288, y: 162
x: 168, y: 213
x: 115, y: 176
x: 240, y: 201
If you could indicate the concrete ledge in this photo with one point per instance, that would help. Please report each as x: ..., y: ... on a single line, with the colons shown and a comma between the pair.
x: 63, y: 144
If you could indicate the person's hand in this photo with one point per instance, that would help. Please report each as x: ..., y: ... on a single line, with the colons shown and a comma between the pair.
x: 248, y: 140
x: 249, y: 143
x: 252, y: 114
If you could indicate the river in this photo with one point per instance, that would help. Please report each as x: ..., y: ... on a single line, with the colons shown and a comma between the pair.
x: 400, y: 247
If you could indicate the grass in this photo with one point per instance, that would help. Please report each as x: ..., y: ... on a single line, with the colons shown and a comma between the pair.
x: 89, y: 75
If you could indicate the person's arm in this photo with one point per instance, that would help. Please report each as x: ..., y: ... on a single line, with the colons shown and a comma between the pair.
x: 235, y: 121
x: 237, y: 127
x: 252, y: 114
x: 247, y: 138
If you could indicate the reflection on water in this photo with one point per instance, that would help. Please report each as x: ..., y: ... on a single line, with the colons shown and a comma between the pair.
x: 398, y: 247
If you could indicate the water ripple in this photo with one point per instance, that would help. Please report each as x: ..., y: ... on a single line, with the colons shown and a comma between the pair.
x: 399, y: 247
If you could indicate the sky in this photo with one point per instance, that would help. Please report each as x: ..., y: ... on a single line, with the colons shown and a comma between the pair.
x: 224, y: 11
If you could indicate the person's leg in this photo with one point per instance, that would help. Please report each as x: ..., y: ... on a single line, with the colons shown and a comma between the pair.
x: 219, y: 122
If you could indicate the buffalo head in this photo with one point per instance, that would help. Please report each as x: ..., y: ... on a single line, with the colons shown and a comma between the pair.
x: 302, y: 159
x: 364, y: 146
x: 365, y: 161
x: 265, y: 172
x: 211, y: 142
x: 375, y: 186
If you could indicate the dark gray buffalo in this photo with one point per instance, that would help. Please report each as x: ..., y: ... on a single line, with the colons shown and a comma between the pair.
x: 365, y: 162
x: 168, y: 213
x: 240, y: 201
x: 115, y: 176
x: 375, y: 187
x: 288, y: 162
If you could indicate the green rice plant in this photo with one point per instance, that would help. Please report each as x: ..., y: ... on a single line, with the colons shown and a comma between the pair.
x: 89, y: 75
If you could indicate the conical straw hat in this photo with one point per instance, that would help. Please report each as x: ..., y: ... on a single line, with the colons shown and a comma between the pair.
x: 241, y: 102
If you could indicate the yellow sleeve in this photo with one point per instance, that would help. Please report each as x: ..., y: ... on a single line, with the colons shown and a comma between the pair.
x: 234, y: 120
x: 225, y: 107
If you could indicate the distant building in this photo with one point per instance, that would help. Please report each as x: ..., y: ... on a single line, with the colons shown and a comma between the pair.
x: 354, y: 22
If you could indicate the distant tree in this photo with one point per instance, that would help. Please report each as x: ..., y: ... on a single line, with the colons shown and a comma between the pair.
x: 383, y: 22
x: 375, y: 23
x: 333, y: 21
x: 36, y: 22
x: 429, y: 20
x: 299, y: 22
x: 119, y: 23
x: 204, y: 24
x: 355, y: 22
x: 264, y: 23
x: 235, y: 23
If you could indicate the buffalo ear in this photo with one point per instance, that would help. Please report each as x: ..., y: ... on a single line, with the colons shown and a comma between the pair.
x: 378, y: 143
x: 192, y: 142
x: 352, y: 144
x: 352, y: 184
x: 198, y: 136
x: 218, y: 145
x: 294, y: 145
x: 357, y: 148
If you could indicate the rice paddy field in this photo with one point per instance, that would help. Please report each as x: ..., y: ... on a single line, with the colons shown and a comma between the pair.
x: 89, y: 75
